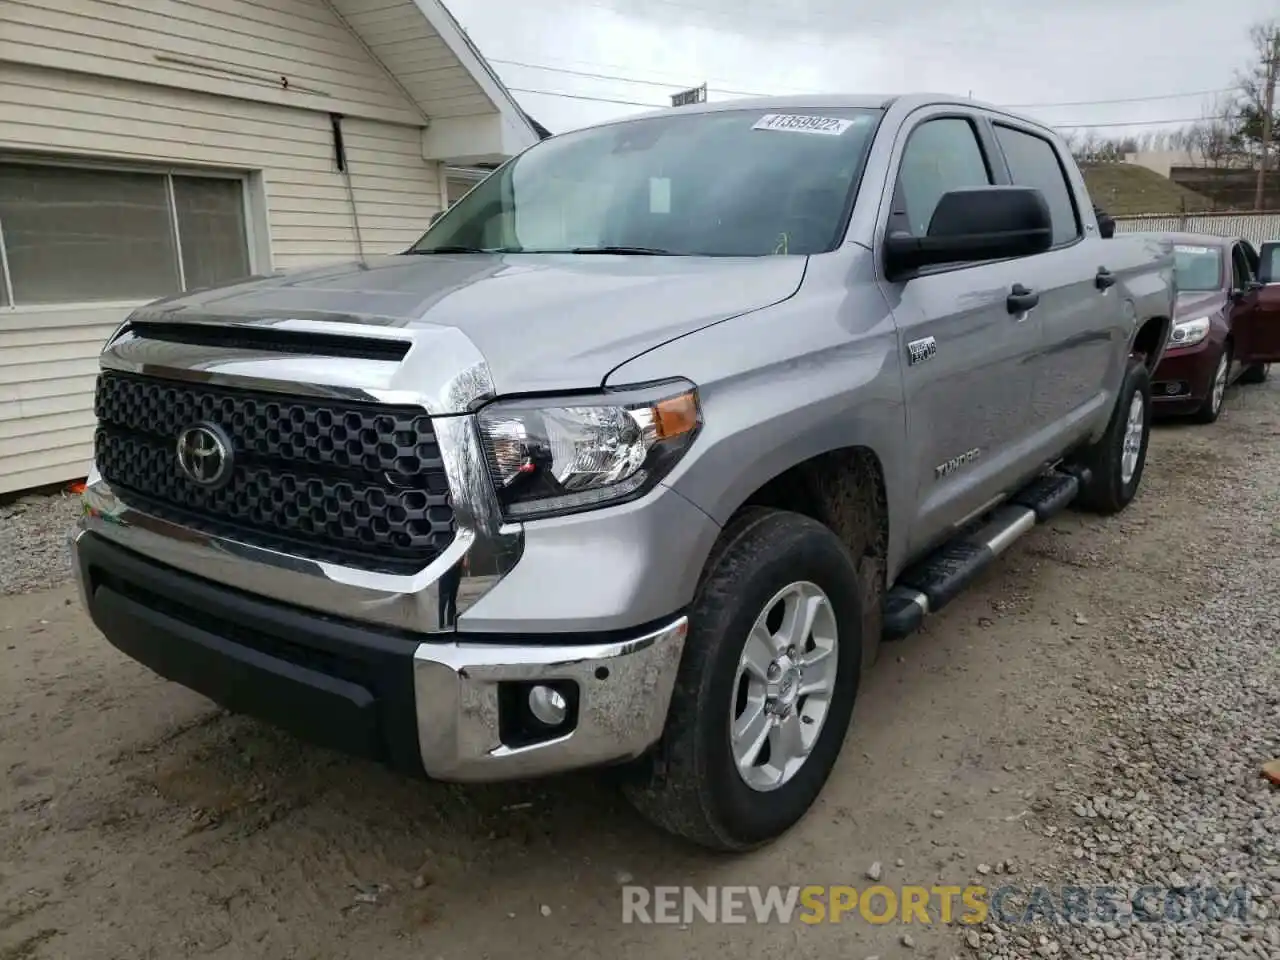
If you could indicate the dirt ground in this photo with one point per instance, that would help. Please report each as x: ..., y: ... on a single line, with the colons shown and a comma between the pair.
x: 136, y: 820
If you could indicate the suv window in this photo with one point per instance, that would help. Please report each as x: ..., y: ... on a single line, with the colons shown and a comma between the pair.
x: 1251, y: 255
x: 1241, y: 273
x: 1033, y: 162
x: 1269, y: 265
x: 941, y: 155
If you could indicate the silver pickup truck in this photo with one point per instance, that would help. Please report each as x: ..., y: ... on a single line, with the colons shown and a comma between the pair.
x: 634, y: 458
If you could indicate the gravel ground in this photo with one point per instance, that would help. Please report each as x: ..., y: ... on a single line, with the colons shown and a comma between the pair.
x: 1189, y: 710
x: 1093, y: 711
x: 33, y: 541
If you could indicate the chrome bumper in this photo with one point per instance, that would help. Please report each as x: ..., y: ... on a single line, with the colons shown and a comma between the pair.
x: 624, y: 687
x: 624, y: 692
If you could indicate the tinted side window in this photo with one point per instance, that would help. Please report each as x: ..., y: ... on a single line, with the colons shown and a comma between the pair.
x: 941, y: 155
x: 1241, y: 272
x: 1251, y: 255
x: 1269, y: 268
x: 1033, y: 162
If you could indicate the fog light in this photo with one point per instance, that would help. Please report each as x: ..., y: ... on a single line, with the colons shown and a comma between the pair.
x: 547, y: 705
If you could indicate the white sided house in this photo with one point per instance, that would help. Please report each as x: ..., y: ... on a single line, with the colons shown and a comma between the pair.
x: 153, y: 146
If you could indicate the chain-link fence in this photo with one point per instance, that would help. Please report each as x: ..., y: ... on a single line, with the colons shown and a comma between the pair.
x: 1255, y: 227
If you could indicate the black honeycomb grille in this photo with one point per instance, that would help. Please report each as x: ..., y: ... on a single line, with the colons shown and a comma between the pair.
x: 349, y: 483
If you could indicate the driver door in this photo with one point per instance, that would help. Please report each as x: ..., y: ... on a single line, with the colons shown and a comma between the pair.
x: 1259, y: 339
x: 1242, y: 309
x: 967, y: 360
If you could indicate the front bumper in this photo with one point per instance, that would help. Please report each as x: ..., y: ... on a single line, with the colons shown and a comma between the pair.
x: 1184, y: 376
x: 444, y: 708
x: 602, y: 570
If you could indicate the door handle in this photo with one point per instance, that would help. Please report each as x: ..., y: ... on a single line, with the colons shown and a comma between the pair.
x: 1020, y: 299
x: 1104, y: 278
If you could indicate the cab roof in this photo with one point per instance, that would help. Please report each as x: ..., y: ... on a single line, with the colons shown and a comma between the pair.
x: 864, y: 101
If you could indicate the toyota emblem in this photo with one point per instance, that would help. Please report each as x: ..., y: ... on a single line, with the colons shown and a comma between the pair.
x: 204, y: 455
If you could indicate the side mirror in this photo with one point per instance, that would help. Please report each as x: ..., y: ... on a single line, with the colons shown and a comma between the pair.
x: 975, y: 224
x: 1106, y: 223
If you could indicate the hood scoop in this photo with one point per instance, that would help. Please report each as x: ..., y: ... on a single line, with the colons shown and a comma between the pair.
x: 268, y: 339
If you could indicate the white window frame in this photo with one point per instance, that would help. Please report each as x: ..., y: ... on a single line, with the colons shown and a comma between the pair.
x: 472, y: 174
x: 255, y: 222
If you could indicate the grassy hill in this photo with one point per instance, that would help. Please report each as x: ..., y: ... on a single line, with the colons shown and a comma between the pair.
x: 1125, y: 189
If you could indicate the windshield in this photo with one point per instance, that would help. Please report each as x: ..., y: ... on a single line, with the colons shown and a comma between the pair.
x: 1199, y: 269
x: 732, y: 183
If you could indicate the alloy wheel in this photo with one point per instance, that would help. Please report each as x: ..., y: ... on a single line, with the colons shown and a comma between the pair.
x: 784, y: 685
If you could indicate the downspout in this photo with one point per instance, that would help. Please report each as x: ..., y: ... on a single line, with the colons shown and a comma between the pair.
x: 344, y: 168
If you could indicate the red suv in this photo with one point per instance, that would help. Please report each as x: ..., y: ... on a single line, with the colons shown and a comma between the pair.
x: 1226, y: 324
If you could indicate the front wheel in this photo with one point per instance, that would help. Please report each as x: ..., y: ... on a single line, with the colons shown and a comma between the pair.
x: 1116, y: 461
x: 1217, y: 392
x: 766, y: 686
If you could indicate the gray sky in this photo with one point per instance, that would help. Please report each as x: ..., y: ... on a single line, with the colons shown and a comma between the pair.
x: 1013, y: 52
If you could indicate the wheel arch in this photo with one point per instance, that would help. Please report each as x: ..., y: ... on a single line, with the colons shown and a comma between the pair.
x: 1150, y: 340
x: 830, y: 487
x: 843, y: 489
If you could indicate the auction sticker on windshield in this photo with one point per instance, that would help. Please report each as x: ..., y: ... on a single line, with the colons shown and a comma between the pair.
x: 1182, y: 249
x: 801, y: 123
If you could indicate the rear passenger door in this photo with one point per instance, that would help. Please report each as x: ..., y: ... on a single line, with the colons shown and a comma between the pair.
x: 965, y: 358
x: 1078, y: 321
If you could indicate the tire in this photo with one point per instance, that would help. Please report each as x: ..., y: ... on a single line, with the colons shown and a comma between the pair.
x: 1256, y: 373
x: 1216, y: 395
x: 691, y: 785
x: 1109, y: 490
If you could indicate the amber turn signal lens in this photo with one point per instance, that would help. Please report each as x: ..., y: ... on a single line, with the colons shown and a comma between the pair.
x: 676, y: 416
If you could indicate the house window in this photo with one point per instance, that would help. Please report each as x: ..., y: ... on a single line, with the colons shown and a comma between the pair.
x: 80, y: 235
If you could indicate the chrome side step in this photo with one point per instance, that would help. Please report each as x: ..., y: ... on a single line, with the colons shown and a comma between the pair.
x: 930, y: 584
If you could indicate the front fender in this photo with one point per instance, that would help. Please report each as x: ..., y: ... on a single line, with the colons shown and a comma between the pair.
x: 783, y: 386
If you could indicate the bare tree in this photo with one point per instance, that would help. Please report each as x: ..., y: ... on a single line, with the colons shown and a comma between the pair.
x: 1152, y: 140
x: 1089, y: 144
x: 1072, y: 139
x: 1254, y: 102
x: 1094, y: 148
x: 1214, y: 141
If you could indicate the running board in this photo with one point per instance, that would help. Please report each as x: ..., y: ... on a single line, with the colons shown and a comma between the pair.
x: 929, y: 585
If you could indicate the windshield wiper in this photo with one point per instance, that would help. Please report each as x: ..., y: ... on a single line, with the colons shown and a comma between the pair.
x: 453, y: 248
x: 632, y: 251
x: 638, y: 251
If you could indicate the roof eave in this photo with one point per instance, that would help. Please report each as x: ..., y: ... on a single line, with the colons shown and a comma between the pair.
x: 518, y: 130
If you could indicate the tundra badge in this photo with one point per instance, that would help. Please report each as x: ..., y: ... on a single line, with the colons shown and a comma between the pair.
x: 918, y: 351
x: 955, y: 463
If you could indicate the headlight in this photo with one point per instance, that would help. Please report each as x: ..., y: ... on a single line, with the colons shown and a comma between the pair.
x: 562, y: 455
x: 1186, y: 333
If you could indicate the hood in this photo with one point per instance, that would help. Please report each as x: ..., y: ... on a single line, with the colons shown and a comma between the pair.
x: 543, y: 322
x: 1198, y: 303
